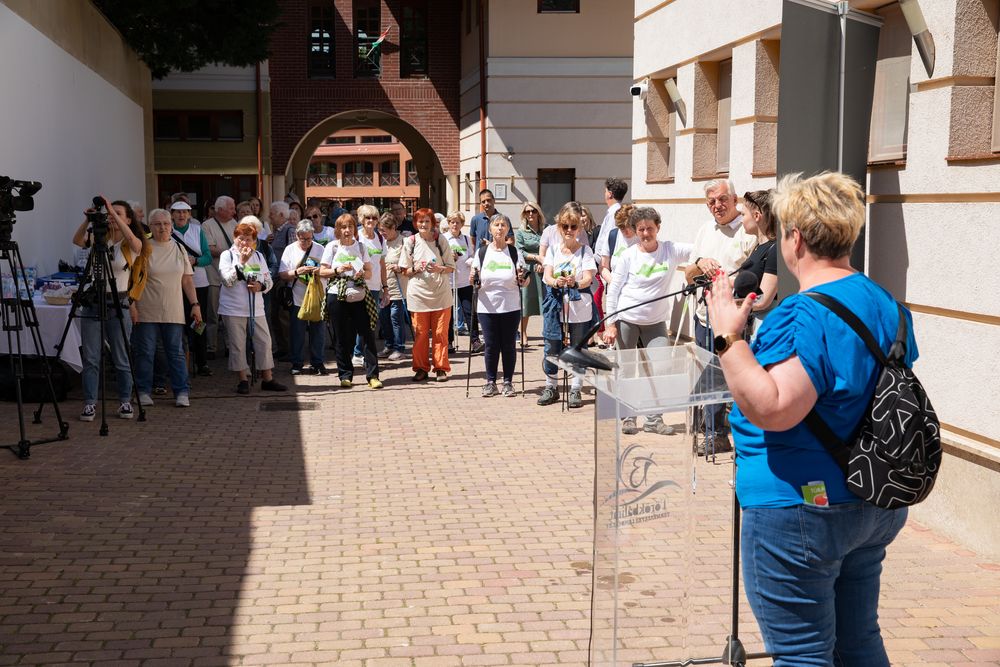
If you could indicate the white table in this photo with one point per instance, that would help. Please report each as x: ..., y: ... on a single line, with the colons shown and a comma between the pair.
x: 51, y: 322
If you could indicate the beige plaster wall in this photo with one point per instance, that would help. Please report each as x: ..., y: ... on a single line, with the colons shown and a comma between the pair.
x: 600, y: 29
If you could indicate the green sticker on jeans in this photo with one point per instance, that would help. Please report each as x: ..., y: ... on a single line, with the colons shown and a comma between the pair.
x: 814, y: 493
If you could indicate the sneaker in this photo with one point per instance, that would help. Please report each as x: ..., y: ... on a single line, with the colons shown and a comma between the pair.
x: 159, y: 391
x: 508, y: 390
x: 442, y: 376
x: 124, y: 410
x: 722, y: 444
x: 182, y: 401
x: 145, y: 400
x: 396, y: 355
x: 272, y: 385
x: 549, y: 396
x: 489, y: 389
x: 463, y: 331
x: 243, y: 388
x: 452, y: 349
x: 298, y: 370
x: 89, y: 412
x: 575, y: 399
x: 358, y: 361
x: 204, y: 371
x: 375, y: 383
x: 420, y: 375
x: 517, y: 337
x: 384, y: 352
x: 346, y: 384
x: 320, y: 370
x: 629, y: 427
x: 477, y: 346
x: 656, y: 425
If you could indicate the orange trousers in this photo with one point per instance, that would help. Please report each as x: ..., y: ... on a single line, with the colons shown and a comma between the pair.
x: 436, y: 322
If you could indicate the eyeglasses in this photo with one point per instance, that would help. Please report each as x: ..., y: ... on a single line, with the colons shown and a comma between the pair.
x: 571, y: 228
x: 531, y: 211
x: 314, y: 217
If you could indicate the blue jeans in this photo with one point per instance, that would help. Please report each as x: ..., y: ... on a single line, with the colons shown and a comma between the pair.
x: 317, y: 339
x: 144, y: 347
x: 715, y: 415
x: 90, y: 339
x: 377, y: 294
x: 811, y: 575
x: 397, y: 321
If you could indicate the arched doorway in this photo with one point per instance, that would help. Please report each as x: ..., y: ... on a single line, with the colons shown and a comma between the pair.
x: 436, y: 191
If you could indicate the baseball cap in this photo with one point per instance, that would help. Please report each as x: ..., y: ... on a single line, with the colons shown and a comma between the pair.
x: 180, y: 206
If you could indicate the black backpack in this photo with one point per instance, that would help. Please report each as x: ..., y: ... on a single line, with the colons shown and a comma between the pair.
x: 895, y: 454
x: 511, y: 249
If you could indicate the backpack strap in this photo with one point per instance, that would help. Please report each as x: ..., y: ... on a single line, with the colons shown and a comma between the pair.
x: 513, y: 256
x: 222, y: 229
x: 612, y: 241
x: 852, y: 321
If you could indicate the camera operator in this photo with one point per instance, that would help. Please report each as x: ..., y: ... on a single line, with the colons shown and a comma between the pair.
x: 245, y: 277
x: 122, y: 228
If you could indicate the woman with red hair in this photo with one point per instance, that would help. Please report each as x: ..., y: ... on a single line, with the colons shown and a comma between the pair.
x: 427, y: 260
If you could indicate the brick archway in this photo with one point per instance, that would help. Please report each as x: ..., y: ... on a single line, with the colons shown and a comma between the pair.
x: 432, y: 179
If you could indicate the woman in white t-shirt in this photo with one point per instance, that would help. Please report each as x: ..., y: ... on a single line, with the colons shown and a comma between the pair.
x: 375, y: 245
x: 570, y: 268
x: 322, y: 234
x: 461, y: 248
x: 349, y: 305
x: 641, y: 273
x: 245, y: 278
x: 500, y: 272
x: 300, y: 263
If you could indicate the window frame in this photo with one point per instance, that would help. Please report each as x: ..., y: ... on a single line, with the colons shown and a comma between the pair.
x: 183, y: 116
x: 724, y: 117
x: 374, y: 71
x: 556, y: 176
x: 408, y: 39
x: 574, y: 7
x: 314, y: 69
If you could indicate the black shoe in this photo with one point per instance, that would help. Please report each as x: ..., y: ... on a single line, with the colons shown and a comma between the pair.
x: 548, y: 397
x: 298, y: 370
x: 243, y: 387
x: 320, y: 370
x: 210, y: 355
x: 272, y: 385
x: 420, y: 376
x: 205, y: 371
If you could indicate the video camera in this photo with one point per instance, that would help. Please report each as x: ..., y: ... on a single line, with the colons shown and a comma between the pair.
x: 16, y: 196
x: 97, y: 216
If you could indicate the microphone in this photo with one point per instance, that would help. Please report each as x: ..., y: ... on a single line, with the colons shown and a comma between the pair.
x: 577, y: 356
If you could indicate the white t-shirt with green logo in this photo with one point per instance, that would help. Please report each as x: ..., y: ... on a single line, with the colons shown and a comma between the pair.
x: 499, y: 292
x: 460, y: 246
x: 639, y: 276
x: 622, y: 243
x: 337, y: 255
x: 574, y: 264
x: 376, y: 249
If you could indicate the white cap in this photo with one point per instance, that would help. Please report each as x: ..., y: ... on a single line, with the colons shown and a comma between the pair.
x: 180, y: 206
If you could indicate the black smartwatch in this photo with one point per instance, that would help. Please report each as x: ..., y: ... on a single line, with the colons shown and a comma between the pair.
x: 725, y: 341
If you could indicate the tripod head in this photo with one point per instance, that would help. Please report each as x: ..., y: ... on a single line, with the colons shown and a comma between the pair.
x: 9, y: 202
x: 97, y: 216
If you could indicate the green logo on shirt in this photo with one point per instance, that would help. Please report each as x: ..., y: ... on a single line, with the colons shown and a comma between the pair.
x: 648, y: 270
x: 620, y: 251
x: 494, y: 265
x: 374, y: 251
x: 344, y: 257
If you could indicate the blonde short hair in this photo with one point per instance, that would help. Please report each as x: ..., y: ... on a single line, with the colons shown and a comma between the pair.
x: 367, y: 211
x: 456, y: 215
x: 828, y: 210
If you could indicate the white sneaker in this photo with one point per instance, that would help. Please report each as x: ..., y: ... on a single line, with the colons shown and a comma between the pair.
x: 396, y: 355
x: 145, y: 400
x: 125, y: 410
x: 358, y: 361
x: 89, y: 412
x: 182, y: 401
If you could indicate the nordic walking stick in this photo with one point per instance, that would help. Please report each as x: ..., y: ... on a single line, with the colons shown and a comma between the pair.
x: 472, y: 324
x: 565, y: 325
x: 520, y: 306
x: 251, y: 329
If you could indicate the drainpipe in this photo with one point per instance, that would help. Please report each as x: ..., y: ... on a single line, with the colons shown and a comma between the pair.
x: 258, y: 100
x: 482, y: 94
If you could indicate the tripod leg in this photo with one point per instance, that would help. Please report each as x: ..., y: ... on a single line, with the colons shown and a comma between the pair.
x: 472, y: 327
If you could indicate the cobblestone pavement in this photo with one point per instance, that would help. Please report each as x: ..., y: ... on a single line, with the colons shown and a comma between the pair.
x: 402, y: 527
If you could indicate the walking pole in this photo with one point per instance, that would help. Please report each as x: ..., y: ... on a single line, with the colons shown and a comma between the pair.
x: 251, y: 329
x: 565, y: 325
x: 475, y: 297
x: 520, y: 306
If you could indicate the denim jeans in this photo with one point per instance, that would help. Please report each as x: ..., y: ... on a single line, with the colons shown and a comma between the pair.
x: 811, y: 575
x: 377, y: 294
x: 715, y: 415
x: 90, y: 338
x: 144, y: 347
x: 397, y: 320
x: 554, y: 346
x: 317, y: 339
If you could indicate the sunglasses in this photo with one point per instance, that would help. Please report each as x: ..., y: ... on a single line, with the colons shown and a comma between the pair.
x: 571, y: 228
x: 531, y: 211
x: 314, y: 217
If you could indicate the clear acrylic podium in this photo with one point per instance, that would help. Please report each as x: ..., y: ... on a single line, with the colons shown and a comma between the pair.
x: 663, y: 558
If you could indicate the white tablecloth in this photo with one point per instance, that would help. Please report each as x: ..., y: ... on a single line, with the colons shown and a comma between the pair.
x: 51, y: 321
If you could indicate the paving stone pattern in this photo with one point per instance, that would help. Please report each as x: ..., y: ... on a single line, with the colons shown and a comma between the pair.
x: 403, y: 527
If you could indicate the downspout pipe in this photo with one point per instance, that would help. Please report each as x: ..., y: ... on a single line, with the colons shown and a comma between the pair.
x: 482, y: 95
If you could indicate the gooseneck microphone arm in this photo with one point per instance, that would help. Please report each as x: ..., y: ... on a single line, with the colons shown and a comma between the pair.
x: 577, y: 356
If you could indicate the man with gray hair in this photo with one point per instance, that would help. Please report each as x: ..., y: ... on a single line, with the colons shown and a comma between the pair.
x: 284, y: 236
x: 219, y: 233
x: 723, y: 245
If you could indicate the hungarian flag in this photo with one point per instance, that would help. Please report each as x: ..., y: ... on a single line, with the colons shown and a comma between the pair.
x: 375, y: 44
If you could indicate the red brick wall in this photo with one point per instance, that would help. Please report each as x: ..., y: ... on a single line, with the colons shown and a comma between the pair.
x: 431, y: 105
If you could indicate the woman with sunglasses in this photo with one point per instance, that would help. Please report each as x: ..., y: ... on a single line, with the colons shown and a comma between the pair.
x: 643, y: 272
x: 763, y: 261
x: 527, y: 239
x: 569, y: 269
x: 375, y: 245
x: 321, y: 233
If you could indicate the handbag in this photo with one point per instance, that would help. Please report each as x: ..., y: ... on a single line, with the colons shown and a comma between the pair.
x: 285, y: 295
x: 894, y: 456
x: 311, y: 309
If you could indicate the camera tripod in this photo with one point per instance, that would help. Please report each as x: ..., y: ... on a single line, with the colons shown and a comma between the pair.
x: 18, y: 314
x: 97, y: 276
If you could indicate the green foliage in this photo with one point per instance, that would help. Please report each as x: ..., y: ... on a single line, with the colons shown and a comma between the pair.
x: 186, y: 35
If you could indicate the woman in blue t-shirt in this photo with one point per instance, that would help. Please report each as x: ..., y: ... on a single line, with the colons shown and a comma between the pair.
x: 812, y: 551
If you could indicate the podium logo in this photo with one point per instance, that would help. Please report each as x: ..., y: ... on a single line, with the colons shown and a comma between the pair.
x: 640, y: 496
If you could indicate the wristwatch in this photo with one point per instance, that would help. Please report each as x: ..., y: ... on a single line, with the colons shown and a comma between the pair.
x: 724, y: 341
